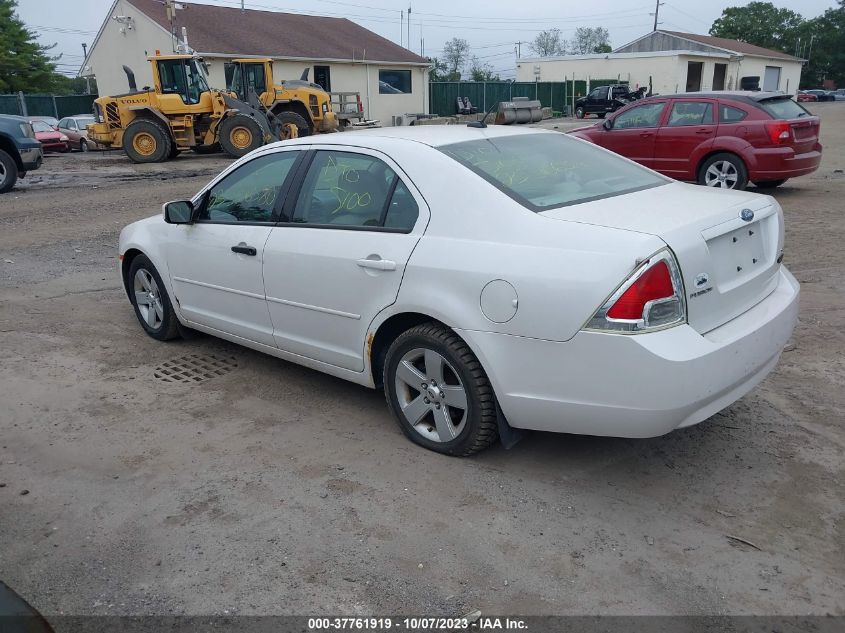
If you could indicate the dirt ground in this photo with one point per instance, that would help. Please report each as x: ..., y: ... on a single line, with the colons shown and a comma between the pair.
x: 274, y: 489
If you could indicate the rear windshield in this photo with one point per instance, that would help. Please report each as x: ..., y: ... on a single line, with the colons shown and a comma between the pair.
x: 545, y: 171
x: 784, y: 108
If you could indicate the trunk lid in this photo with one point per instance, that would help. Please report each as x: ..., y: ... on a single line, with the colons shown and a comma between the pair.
x: 805, y: 134
x: 728, y: 263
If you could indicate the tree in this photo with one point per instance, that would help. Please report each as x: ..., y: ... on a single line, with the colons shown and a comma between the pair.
x: 24, y: 63
x: 590, y: 40
x: 481, y: 71
x: 455, y: 54
x: 823, y: 45
x: 762, y: 24
x: 548, y: 43
x: 439, y: 71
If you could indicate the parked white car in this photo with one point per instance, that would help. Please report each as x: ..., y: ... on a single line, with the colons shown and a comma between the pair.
x: 485, y: 277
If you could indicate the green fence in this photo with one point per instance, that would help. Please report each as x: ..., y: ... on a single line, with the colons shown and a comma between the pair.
x: 556, y: 95
x: 58, y: 106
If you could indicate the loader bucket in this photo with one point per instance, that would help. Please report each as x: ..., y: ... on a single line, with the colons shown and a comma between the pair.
x: 520, y: 110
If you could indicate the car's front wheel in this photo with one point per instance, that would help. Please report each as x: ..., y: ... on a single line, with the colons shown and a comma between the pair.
x: 150, y: 299
x: 723, y: 171
x: 770, y: 184
x: 438, y: 392
x: 8, y: 172
x: 579, y: 112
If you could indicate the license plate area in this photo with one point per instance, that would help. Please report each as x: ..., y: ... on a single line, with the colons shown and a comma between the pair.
x: 740, y: 254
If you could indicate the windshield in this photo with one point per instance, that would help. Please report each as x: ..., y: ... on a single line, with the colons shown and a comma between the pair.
x: 200, y: 79
x: 545, y: 171
x: 40, y: 126
x: 783, y: 108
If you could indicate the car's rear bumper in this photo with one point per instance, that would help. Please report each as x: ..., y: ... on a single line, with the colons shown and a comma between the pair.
x: 780, y: 163
x: 636, y: 385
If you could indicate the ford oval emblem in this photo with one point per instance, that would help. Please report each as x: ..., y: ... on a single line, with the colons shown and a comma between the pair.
x: 747, y: 215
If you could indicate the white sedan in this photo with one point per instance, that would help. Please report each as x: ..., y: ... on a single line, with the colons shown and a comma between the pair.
x: 488, y: 278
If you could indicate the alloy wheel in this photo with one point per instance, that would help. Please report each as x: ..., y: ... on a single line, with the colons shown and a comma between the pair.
x: 431, y: 395
x: 148, y: 299
x: 722, y: 174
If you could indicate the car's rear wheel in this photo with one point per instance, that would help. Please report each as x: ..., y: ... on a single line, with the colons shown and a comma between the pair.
x: 723, y: 171
x: 8, y: 172
x: 150, y: 299
x: 770, y: 184
x: 438, y: 392
x: 579, y: 112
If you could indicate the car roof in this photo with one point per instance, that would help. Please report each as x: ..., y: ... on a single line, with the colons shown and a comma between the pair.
x: 14, y: 117
x: 431, y: 135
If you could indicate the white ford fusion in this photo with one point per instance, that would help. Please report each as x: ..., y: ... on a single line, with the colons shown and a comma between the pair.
x: 488, y: 278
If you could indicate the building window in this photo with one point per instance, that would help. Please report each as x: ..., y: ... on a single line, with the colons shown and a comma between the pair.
x: 394, y: 82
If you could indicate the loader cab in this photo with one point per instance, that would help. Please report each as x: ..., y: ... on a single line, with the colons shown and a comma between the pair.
x: 243, y: 74
x: 182, y: 75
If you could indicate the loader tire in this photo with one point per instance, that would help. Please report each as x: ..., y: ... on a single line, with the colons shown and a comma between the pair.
x: 147, y: 141
x: 240, y: 134
x: 302, y: 126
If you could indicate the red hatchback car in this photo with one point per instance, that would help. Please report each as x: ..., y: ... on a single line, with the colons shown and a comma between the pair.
x: 716, y: 139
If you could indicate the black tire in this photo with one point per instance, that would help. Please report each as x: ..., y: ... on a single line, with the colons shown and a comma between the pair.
x: 770, y: 184
x: 240, y: 134
x: 601, y: 115
x: 302, y: 126
x: 214, y: 148
x: 83, y: 145
x: 478, y: 425
x: 147, y: 141
x: 174, y: 151
x: 8, y: 172
x: 741, y: 181
x: 167, y: 326
x: 579, y: 112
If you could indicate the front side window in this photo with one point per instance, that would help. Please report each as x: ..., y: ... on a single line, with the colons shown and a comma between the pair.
x: 394, y: 81
x: 646, y: 115
x: 343, y: 189
x: 690, y: 113
x: 545, y: 171
x: 71, y: 124
x: 250, y: 193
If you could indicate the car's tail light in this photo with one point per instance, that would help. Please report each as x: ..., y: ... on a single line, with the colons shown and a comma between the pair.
x: 651, y: 298
x: 779, y: 132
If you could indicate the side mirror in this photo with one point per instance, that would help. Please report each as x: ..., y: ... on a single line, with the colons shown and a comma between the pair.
x: 607, y: 124
x: 178, y: 212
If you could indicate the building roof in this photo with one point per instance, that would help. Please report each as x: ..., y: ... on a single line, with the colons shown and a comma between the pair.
x: 229, y: 31
x: 735, y: 46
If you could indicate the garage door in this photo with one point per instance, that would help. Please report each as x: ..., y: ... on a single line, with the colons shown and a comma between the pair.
x: 771, y: 81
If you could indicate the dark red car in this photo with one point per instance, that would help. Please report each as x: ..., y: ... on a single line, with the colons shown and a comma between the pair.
x: 716, y: 139
x: 805, y: 96
x: 50, y: 138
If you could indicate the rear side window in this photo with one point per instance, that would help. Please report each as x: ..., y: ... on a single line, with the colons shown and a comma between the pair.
x: 691, y: 113
x: 783, y: 108
x: 546, y: 171
x: 729, y: 114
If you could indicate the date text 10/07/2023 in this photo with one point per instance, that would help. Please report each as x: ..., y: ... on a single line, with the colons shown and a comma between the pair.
x: 416, y: 624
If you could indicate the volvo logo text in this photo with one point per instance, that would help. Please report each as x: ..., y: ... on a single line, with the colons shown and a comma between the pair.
x: 747, y: 215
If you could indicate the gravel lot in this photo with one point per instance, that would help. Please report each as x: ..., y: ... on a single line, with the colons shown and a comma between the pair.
x: 276, y: 489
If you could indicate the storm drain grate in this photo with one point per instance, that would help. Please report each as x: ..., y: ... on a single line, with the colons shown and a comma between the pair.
x: 195, y: 368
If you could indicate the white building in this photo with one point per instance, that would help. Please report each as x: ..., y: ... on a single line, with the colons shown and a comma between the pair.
x: 341, y: 55
x: 669, y: 62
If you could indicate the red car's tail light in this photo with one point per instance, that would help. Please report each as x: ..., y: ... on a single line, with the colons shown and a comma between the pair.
x: 779, y: 132
x: 651, y: 298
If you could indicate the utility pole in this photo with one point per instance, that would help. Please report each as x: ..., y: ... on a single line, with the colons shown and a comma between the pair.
x: 402, y: 28
x: 84, y: 59
x: 657, y: 6
x: 409, y: 26
x: 810, y: 52
x: 519, y: 48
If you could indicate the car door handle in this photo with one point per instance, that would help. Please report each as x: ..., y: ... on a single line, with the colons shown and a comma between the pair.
x: 645, y: 134
x: 704, y: 132
x: 377, y: 264
x: 243, y: 249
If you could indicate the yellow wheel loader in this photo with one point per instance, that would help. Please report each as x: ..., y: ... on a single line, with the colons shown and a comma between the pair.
x: 293, y: 101
x: 181, y: 112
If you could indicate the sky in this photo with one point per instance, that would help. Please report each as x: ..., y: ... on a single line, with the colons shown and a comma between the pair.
x: 493, y: 28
